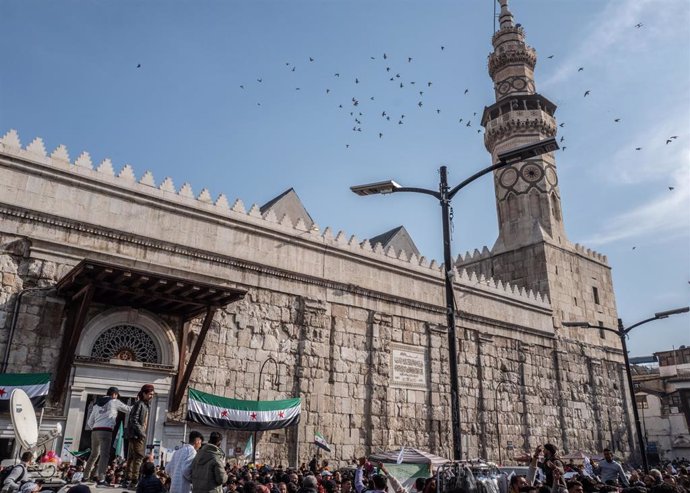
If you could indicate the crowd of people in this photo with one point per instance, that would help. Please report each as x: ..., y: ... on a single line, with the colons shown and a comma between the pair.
x: 200, y: 467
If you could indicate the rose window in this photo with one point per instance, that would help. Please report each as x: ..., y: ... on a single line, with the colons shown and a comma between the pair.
x: 127, y: 343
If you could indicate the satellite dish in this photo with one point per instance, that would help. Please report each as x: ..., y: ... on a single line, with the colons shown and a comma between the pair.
x: 23, y: 419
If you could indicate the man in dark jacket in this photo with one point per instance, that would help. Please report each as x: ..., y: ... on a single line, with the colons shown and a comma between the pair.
x: 208, y: 467
x: 137, y: 426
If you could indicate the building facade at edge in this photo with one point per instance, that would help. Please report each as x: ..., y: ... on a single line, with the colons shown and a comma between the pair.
x: 112, y: 278
x: 662, y: 393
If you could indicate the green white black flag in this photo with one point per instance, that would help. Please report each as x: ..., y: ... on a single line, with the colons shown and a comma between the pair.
x: 36, y: 386
x: 236, y: 414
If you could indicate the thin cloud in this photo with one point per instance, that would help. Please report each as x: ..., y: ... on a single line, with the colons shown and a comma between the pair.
x: 612, y: 37
x: 665, y: 217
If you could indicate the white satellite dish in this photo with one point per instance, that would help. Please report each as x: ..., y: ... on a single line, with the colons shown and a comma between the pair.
x: 23, y: 419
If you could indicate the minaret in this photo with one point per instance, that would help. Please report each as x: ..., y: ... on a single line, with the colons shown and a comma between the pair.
x: 527, y: 195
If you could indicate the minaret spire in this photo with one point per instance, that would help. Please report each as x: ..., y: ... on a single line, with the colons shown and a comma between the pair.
x: 505, y: 17
x: 527, y: 195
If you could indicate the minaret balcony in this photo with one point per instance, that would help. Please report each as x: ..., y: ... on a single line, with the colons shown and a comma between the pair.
x: 517, y: 122
x: 501, y: 59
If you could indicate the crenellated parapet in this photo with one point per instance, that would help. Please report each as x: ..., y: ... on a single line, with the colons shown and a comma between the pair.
x: 499, y: 60
x: 591, y: 254
x: 518, y: 122
x: 105, y: 174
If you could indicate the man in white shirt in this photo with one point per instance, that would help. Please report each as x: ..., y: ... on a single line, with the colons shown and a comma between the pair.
x: 101, y: 423
x: 180, y: 466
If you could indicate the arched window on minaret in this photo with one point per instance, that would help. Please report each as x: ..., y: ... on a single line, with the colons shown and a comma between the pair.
x: 512, y: 207
x: 555, y: 209
x: 534, y: 204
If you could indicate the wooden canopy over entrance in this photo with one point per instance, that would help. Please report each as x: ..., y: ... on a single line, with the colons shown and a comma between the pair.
x: 115, y: 285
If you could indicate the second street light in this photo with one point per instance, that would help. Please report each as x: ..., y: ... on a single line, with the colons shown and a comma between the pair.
x: 444, y: 195
x: 622, y: 333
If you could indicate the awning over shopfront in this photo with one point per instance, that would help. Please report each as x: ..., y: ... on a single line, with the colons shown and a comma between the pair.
x: 117, y: 285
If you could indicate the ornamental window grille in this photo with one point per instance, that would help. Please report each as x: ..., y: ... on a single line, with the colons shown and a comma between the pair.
x: 127, y: 343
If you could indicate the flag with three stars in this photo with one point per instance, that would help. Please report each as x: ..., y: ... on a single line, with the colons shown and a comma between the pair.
x: 36, y: 386
x: 235, y: 414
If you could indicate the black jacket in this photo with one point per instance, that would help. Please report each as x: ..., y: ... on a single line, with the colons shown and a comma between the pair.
x: 138, y: 420
x: 150, y: 484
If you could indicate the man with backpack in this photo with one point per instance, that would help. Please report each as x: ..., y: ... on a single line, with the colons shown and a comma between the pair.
x: 17, y: 474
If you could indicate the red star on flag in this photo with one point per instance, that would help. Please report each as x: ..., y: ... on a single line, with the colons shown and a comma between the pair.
x: 2, y: 392
x: 281, y: 414
x: 224, y: 414
x: 253, y: 416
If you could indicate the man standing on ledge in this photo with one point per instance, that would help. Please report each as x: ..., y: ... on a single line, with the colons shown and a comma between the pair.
x: 101, y: 423
x: 136, y: 432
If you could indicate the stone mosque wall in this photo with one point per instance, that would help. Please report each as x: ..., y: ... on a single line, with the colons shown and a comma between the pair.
x: 358, y: 332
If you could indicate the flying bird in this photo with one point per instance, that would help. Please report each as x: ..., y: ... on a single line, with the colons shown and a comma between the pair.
x: 674, y: 137
x: 580, y: 69
x: 311, y: 59
x: 550, y: 56
x: 460, y: 120
x: 347, y: 146
x: 638, y: 148
x: 562, y: 138
x: 402, y: 116
x: 138, y: 65
x: 259, y: 80
x: 469, y: 124
x: 241, y: 86
x: 293, y: 69
x: 639, y: 25
x: 443, y: 48
x: 668, y: 141
x: 383, y: 114
x: 400, y: 122
x: 421, y: 93
x: 372, y: 58
x: 337, y: 75
x: 479, y: 130
x: 356, y: 81
x: 561, y: 124
x: 327, y: 91
x: 419, y: 104
x: 409, y: 59
x: 564, y: 148
x: 428, y: 84
x: 438, y: 111
x: 671, y: 188
x: 617, y: 120
x: 380, y: 135
x: 634, y: 247
x: 385, y: 56
x: 587, y: 93
x: 401, y: 84
x: 388, y: 69
x: 466, y: 91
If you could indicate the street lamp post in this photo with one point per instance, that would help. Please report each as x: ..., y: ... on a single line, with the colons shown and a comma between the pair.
x: 444, y: 195
x: 622, y: 333
x: 258, y: 396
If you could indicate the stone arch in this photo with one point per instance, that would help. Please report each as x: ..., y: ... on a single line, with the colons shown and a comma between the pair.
x: 555, y: 208
x: 160, y: 333
x: 512, y: 206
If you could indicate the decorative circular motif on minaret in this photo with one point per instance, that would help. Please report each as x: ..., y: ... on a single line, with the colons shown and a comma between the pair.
x: 516, y: 83
x: 509, y: 177
x: 531, y: 173
x: 551, y: 176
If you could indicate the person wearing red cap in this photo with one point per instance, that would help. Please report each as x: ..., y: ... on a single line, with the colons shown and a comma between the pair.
x: 137, y: 426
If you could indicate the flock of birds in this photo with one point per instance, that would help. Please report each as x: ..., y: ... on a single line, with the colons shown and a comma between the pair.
x: 356, y: 104
x: 361, y: 106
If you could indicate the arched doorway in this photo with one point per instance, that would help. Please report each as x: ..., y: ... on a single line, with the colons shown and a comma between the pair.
x: 125, y: 348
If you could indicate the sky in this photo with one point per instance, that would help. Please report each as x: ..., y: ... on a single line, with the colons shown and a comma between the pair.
x: 244, y: 98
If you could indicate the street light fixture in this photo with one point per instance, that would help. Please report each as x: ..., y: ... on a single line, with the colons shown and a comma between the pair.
x: 622, y: 333
x: 270, y: 359
x: 444, y: 195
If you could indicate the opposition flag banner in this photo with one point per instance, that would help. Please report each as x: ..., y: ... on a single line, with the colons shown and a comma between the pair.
x: 249, y: 447
x: 321, y: 442
x: 36, y: 386
x: 235, y: 414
